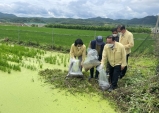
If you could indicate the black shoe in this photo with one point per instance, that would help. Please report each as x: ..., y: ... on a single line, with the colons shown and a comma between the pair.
x: 90, y: 77
x: 110, y: 89
x: 122, y: 75
x: 96, y: 78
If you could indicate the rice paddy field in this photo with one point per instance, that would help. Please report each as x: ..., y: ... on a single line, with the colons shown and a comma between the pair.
x: 32, y: 80
x: 57, y: 36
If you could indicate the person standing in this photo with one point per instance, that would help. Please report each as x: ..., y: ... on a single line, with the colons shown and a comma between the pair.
x: 97, y: 44
x: 114, y: 52
x: 115, y: 34
x: 126, y: 38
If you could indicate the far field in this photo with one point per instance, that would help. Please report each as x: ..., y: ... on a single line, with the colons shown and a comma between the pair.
x: 57, y: 36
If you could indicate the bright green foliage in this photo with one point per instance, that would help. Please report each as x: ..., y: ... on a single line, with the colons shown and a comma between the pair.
x: 11, y: 57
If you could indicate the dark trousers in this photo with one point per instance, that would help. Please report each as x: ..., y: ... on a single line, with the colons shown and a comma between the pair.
x: 114, y: 72
x: 107, y: 67
x: 123, y: 72
x: 92, y: 73
x: 92, y: 70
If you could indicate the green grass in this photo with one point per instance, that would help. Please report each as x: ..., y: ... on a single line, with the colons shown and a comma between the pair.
x: 63, y: 37
x: 138, y: 90
x: 144, y: 47
x: 56, y: 36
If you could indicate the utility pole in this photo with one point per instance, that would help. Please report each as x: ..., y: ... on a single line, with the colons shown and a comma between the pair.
x: 156, y: 27
x: 156, y: 37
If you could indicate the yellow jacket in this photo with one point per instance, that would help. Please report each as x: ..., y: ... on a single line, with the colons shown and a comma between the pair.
x: 127, y: 40
x: 74, y: 52
x: 115, y: 56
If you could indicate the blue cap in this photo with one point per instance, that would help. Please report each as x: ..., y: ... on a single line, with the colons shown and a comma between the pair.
x: 99, y: 40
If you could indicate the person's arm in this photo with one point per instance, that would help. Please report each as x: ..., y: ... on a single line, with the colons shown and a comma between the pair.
x: 104, y: 56
x: 84, y: 53
x: 123, y: 61
x: 89, y: 45
x: 130, y: 41
x: 72, y: 51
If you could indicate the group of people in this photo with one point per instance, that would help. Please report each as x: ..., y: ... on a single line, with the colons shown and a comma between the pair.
x: 113, y: 54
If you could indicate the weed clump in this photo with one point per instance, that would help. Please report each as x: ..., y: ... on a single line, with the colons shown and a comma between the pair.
x: 73, y: 84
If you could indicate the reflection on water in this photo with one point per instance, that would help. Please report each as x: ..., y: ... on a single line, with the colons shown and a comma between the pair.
x: 23, y: 92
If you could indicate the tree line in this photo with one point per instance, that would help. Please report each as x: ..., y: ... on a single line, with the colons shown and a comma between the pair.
x: 99, y: 28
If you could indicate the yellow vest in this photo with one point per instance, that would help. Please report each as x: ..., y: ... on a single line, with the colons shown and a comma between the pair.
x: 127, y: 40
x: 75, y: 52
x: 115, y: 55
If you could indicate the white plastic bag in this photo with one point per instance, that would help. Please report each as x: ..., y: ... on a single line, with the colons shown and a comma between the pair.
x: 92, y: 54
x: 74, y: 69
x: 75, y: 66
x: 91, y: 60
x: 103, y: 79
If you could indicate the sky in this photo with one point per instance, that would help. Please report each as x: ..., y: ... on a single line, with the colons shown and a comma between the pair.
x: 114, y: 9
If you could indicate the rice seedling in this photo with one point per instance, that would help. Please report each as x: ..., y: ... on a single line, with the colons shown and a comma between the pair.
x: 41, y: 66
x: 14, y: 56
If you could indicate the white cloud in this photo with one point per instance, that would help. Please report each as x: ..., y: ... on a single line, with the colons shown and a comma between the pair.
x: 128, y: 8
x: 115, y: 9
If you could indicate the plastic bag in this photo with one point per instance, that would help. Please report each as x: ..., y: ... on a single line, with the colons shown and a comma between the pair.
x: 92, y: 54
x: 75, y: 66
x: 103, y: 80
x: 91, y: 60
x: 74, y: 69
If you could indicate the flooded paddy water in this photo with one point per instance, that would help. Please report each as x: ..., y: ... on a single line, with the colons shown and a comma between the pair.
x: 26, y: 92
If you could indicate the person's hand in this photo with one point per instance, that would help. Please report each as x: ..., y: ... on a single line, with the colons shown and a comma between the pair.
x: 90, y: 52
x: 73, y: 59
x: 100, y: 67
x: 122, y: 67
x: 81, y: 63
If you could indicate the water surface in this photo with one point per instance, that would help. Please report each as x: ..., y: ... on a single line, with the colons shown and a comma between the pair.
x: 24, y: 92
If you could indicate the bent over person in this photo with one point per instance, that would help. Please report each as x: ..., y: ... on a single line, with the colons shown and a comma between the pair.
x: 78, y: 50
x: 98, y: 45
x: 114, y: 53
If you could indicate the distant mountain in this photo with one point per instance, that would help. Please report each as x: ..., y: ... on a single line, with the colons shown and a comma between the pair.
x: 3, y: 15
x: 101, y: 19
x: 148, y: 20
